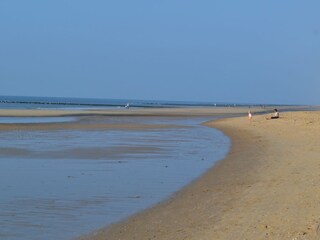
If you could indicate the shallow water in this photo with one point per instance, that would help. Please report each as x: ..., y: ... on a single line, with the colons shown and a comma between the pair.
x: 12, y: 120
x: 61, y: 184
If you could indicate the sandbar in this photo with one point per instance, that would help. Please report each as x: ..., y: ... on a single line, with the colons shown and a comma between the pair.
x: 98, y: 118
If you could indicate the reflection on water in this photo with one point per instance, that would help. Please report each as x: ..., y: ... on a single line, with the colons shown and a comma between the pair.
x: 12, y: 120
x: 52, y: 192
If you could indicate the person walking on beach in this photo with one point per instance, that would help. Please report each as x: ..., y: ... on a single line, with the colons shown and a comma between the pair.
x: 250, y: 115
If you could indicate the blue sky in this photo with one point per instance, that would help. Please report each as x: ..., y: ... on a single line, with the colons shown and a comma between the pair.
x: 224, y: 51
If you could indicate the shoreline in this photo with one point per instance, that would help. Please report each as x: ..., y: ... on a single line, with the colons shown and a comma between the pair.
x: 266, y: 188
x: 163, y: 221
x: 143, y: 112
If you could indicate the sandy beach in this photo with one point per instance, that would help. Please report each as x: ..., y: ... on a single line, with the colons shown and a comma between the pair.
x: 266, y: 188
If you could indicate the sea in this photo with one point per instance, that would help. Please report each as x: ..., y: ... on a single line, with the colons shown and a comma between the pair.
x: 61, y: 184
x: 22, y: 102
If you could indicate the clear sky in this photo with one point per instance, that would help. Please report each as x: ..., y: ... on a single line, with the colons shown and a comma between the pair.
x: 206, y: 50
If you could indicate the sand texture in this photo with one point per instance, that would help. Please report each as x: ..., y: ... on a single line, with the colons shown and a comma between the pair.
x: 268, y: 187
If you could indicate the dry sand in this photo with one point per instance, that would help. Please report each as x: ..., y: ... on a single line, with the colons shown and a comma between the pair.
x: 268, y: 187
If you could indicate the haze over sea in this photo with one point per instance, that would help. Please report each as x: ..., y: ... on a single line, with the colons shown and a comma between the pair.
x: 59, y: 184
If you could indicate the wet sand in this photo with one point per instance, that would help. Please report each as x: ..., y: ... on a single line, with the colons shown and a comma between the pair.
x: 89, y: 119
x: 266, y: 188
x: 98, y: 119
x: 197, y: 111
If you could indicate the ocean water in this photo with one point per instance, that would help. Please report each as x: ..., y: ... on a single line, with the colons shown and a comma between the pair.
x: 12, y: 120
x: 60, y: 184
x: 20, y: 102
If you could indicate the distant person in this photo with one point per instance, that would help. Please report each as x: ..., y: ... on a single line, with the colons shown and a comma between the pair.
x: 275, y: 114
x: 249, y: 115
x: 127, y: 106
